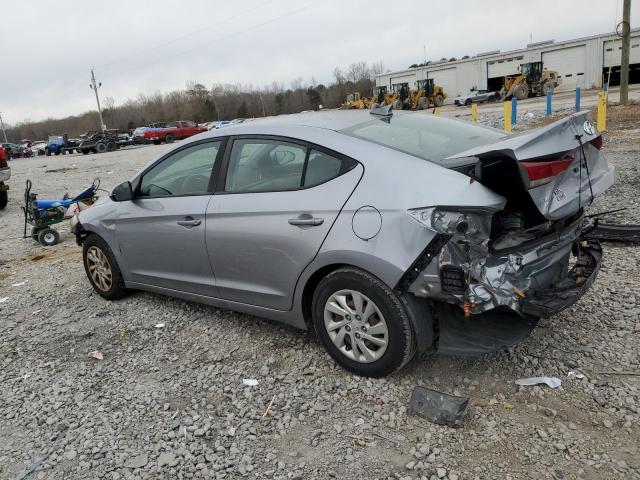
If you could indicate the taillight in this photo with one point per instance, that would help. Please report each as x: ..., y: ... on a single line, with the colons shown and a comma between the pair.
x: 539, y: 173
x: 597, y: 142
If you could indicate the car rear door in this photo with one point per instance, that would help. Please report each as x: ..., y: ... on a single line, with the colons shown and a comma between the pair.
x: 161, y: 232
x: 275, y: 203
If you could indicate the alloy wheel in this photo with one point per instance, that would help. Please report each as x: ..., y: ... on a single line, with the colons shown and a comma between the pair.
x: 356, y: 326
x: 99, y: 268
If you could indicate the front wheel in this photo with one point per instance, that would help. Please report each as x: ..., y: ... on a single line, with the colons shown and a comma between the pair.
x: 48, y: 237
x: 362, y: 323
x: 102, y: 269
x: 47, y: 152
x: 4, y: 198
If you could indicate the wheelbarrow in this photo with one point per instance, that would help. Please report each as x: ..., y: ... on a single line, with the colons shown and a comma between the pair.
x: 43, y: 214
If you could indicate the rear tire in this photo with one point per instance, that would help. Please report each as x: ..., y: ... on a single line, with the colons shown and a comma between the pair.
x: 4, y: 199
x: 467, y: 102
x: 47, y: 152
x: 548, y: 86
x: 423, y: 103
x: 397, y: 105
x: 101, y: 147
x: 111, y: 147
x: 85, y: 151
x: 102, y: 269
x: 492, y: 99
x: 169, y: 139
x: 376, y: 323
x: 438, y: 100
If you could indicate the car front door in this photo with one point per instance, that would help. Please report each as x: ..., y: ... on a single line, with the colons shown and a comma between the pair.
x: 161, y: 232
x: 275, y: 203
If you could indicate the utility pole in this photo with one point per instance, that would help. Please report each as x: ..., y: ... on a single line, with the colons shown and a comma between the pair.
x: 624, y: 63
x: 4, y: 133
x: 95, y: 88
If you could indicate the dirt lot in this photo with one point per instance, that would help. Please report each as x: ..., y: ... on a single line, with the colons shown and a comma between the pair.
x: 170, y: 402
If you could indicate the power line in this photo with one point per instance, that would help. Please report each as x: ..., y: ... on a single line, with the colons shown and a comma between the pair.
x: 186, y: 35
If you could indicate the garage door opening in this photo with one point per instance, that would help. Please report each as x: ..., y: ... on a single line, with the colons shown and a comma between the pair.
x: 495, y: 83
x: 634, y: 75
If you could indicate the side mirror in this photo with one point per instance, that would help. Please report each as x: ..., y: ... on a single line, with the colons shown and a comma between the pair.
x: 122, y: 192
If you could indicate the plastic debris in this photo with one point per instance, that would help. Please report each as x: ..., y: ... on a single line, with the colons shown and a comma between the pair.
x: 3, y: 299
x: 573, y: 373
x: 440, y: 408
x: 35, y: 312
x: 250, y: 382
x: 159, y: 325
x: 19, y: 284
x: 553, y: 382
x: 97, y: 355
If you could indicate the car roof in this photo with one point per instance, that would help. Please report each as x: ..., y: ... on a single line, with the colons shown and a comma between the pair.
x: 327, y: 119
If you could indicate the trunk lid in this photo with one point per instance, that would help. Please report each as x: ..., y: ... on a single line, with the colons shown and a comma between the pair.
x: 549, y: 173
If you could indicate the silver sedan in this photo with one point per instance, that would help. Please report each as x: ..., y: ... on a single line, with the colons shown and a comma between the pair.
x: 385, y: 234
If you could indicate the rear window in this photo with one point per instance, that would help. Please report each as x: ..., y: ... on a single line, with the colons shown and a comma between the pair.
x: 423, y: 135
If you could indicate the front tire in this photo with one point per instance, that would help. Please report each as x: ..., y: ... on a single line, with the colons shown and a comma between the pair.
x: 48, y: 237
x: 4, y: 199
x: 102, y: 269
x: 169, y: 138
x: 362, y: 323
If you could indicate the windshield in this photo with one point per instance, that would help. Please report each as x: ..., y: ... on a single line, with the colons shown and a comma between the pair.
x: 425, y: 136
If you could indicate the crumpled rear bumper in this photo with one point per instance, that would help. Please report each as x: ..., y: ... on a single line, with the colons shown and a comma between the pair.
x: 567, y: 291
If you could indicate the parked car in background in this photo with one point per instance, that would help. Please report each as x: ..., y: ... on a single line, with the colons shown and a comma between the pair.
x: 38, y: 147
x: 61, y: 145
x: 477, y: 96
x: 173, y: 131
x: 294, y: 216
x: 5, y: 175
x: 12, y: 150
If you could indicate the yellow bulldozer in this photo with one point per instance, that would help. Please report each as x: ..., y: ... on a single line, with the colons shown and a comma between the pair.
x: 427, y: 94
x: 355, y: 101
x: 532, y: 81
x: 403, y: 98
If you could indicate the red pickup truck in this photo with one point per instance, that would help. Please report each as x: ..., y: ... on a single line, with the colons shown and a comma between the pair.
x: 173, y: 131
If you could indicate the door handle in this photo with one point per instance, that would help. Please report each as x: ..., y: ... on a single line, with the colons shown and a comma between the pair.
x: 306, y: 220
x: 189, y: 222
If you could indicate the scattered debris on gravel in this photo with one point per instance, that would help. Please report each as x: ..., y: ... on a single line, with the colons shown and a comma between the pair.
x: 175, y: 402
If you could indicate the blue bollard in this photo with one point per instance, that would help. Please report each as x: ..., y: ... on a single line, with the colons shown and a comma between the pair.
x: 577, y: 99
x: 549, y: 95
x: 514, y: 110
x: 605, y: 87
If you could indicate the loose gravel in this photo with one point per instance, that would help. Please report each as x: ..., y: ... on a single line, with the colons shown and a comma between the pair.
x: 169, y: 402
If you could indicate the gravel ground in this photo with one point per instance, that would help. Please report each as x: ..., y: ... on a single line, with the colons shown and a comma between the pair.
x: 170, y: 402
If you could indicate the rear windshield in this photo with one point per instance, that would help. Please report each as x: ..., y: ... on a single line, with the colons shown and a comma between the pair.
x: 424, y: 135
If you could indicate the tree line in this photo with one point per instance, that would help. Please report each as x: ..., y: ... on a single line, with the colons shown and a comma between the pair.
x: 201, y: 104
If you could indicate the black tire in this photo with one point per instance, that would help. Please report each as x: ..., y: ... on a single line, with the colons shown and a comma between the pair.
x: 438, y: 100
x: 85, y: 151
x: 116, y: 289
x: 492, y: 99
x: 101, y: 147
x: 4, y: 198
x: 47, y: 152
x: 111, y: 146
x: 57, y: 153
x: 157, y: 142
x: 34, y: 233
x: 48, y: 237
x: 467, y: 102
x: 401, y: 338
x: 169, y: 138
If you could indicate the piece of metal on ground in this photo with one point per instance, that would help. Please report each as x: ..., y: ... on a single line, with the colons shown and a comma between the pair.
x: 438, y: 407
x: 613, y: 232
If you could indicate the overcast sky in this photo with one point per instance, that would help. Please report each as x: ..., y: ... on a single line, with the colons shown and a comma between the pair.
x: 48, y: 47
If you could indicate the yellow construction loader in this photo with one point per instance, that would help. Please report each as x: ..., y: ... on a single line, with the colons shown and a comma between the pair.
x: 355, y: 101
x: 381, y: 97
x: 532, y: 81
x: 426, y: 95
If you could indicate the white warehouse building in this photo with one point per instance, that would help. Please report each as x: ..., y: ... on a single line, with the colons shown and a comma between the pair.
x: 582, y: 62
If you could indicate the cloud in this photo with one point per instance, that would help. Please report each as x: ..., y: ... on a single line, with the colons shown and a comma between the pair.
x: 143, y: 47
